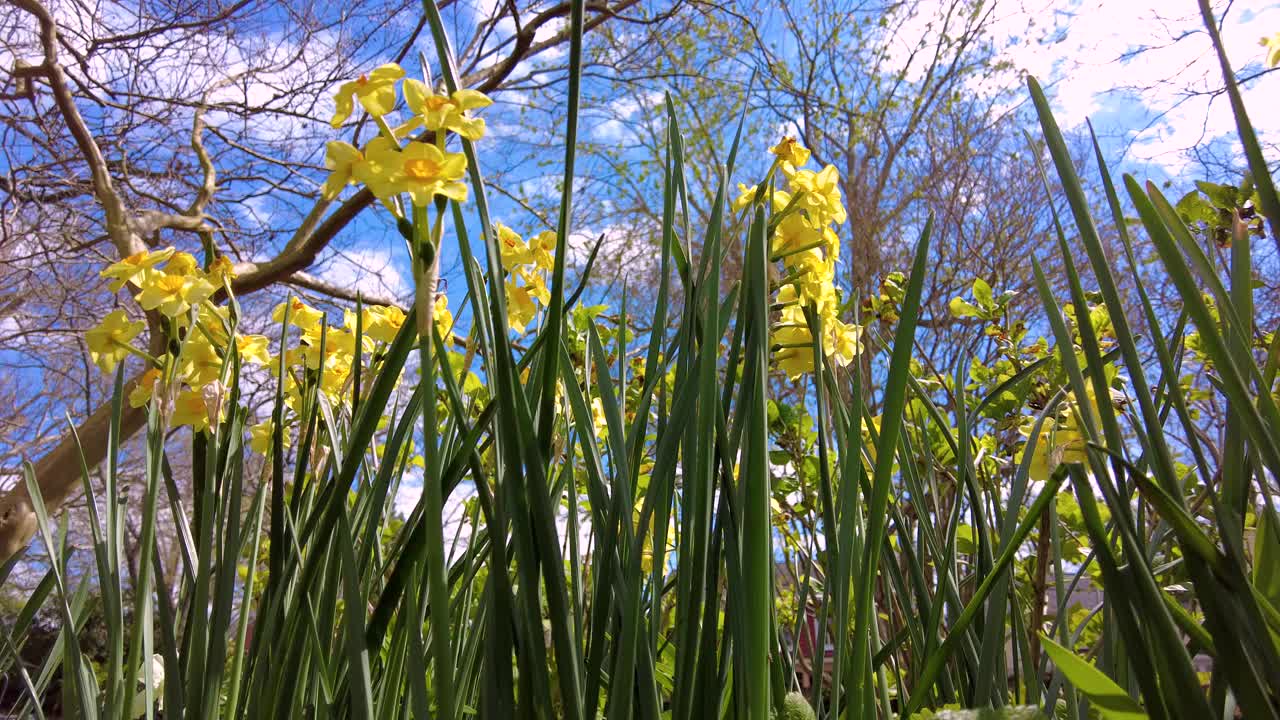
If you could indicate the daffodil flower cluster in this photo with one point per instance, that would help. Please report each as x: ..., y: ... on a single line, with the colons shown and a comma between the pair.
x: 186, y: 380
x: 526, y: 264
x: 805, y: 242
x: 1062, y: 438
x: 325, y: 354
x: 393, y: 164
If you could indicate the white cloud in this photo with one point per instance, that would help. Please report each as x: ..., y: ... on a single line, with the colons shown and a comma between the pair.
x: 10, y: 324
x: 371, y: 271
x: 408, y: 494
x: 256, y: 210
x: 790, y: 128
x: 482, y: 10
x: 541, y: 187
x: 1145, y: 66
x: 620, y: 112
x: 620, y: 248
x: 457, y: 523
x: 550, y: 30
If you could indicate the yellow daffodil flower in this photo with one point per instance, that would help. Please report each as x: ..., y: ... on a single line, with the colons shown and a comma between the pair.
x: 791, y: 153
x: 339, y: 348
x: 214, y: 321
x: 341, y: 159
x: 831, y: 244
x: 795, y: 234
x: 425, y: 172
x: 334, y: 381
x: 301, y: 315
x: 514, y: 250
x: 534, y: 283
x: 189, y: 408
x: 130, y: 268
x: 145, y: 388
x: 543, y: 249
x: 375, y: 91
x: 375, y: 166
x: 253, y: 349
x: 349, y: 322
x: 1057, y: 443
x: 795, y: 350
x: 423, y: 101
x: 381, y: 167
x: 292, y: 393
x: 1062, y: 439
x: 109, y: 341
x: 598, y: 419
x: 814, y: 283
x: 1272, y: 44
x: 381, y: 323
x: 182, y: 263
x: 520, y: 307
x: 441, y: 112
x: 294, y: 357
x: 821, y: 194
x: 787, y: 297
x: 466, y: 100
x: 172, y: 294
x: 746, y: 195
x: 842, y: 341
x: 221, y: 270
x: 199, y: 364
x: 260, y: 437
x: 443, y: 318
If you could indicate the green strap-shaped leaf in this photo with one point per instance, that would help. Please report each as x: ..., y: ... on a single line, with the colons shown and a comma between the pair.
x: 1111, y: 702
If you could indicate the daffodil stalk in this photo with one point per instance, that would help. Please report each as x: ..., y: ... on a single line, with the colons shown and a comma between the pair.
x: 820, y: 242
x: 792, y: 205
x: 387, y: 131
x: 139, y: 352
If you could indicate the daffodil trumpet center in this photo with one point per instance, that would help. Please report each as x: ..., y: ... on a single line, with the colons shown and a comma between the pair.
x: 423, y: 169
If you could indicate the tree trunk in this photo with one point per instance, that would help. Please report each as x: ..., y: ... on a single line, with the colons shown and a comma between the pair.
x: 58, y: 474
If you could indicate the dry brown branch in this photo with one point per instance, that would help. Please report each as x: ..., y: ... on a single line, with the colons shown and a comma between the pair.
x: 311, y: 282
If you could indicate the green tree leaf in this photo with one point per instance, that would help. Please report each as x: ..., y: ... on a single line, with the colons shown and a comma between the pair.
x: 982, y: 293
x: 962, y: 308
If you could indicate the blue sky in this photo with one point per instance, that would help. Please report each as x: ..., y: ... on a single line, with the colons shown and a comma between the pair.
x: 1139, y: 69
x: 1142, y: 70
x: 1145, y: 104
